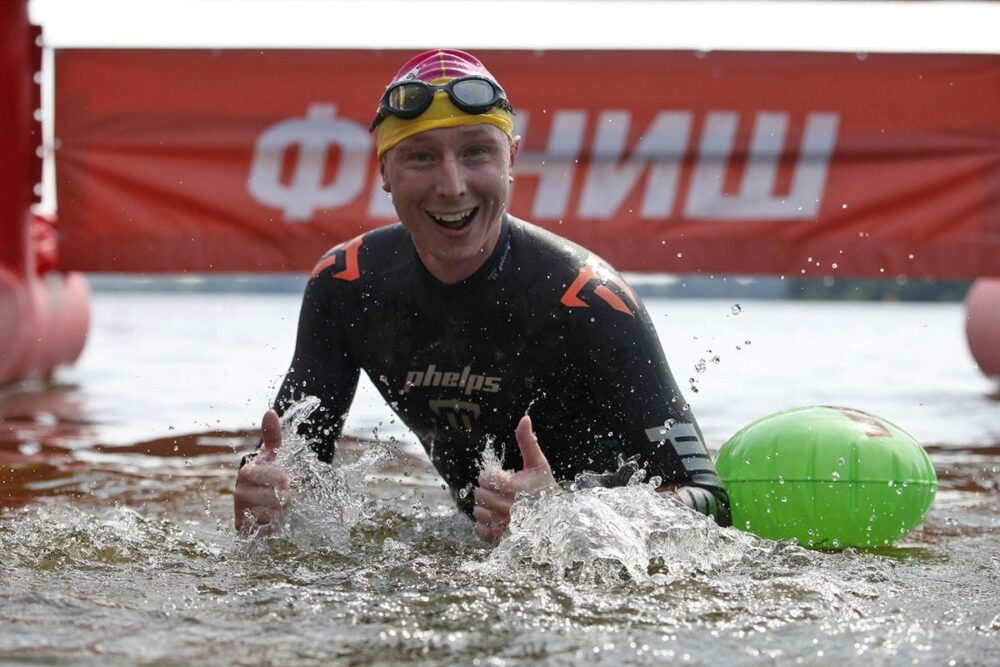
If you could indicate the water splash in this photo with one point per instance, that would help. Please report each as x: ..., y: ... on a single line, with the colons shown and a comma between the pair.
x: 491, y: 460
x: 604, y: 535
x: 66, y: 538
x: 328, y: 501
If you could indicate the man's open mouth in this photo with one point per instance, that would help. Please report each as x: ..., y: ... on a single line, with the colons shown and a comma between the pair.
x: 454, y: 221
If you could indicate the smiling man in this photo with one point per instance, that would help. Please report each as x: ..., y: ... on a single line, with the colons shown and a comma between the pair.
x: 467, y: 318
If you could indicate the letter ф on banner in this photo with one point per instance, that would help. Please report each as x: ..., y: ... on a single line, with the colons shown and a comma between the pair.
x: 682, y: 162
x: 313, y: 138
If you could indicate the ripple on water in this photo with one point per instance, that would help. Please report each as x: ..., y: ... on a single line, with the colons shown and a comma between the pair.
x: 605, y: 576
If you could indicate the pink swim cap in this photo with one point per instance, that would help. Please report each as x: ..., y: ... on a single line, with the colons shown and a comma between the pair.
x: 439, y: 66
x: 435, y: 64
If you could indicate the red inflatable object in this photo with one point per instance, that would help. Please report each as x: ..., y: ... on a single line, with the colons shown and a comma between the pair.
x: 44, y: 316
x: 982, y: 324
x: 43, y: 323
x: 13, y: 314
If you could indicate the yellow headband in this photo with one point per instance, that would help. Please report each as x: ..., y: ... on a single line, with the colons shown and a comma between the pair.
x: 441, y: 113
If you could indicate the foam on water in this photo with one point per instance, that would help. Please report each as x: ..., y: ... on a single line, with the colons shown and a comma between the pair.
x: 605, y: 534
x: 60, y: 537
x: 328, y: 501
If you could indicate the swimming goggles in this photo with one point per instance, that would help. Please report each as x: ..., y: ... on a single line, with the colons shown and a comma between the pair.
x: 471, y: 94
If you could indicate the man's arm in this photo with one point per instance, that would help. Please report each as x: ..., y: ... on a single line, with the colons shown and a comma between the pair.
x: 321, y: 367
x: 322, y: 364
x: 647, y: 415
x: 641, y: 408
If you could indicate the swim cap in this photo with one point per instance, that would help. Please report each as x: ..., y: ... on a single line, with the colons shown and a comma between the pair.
x: 439, y: 66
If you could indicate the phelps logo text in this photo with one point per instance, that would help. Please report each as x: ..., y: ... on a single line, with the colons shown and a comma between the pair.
x: 465, y: 379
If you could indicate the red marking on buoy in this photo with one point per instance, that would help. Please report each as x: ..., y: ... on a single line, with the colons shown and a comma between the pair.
x: 867, y: 424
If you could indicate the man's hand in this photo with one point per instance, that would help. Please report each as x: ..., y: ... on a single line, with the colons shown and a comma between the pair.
x: 497, y: 488
x: 262, y: 493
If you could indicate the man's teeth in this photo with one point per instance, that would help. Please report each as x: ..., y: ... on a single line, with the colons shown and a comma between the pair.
x: 453, y: 217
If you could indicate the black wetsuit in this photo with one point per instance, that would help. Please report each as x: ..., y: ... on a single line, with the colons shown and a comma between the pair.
x: 543, y: 326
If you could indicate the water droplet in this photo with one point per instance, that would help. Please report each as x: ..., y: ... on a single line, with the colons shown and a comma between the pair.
x: 841, y: 461
x: 736, y: 309
x: 835, y: 476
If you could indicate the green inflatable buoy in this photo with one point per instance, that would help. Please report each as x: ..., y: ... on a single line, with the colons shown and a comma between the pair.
x: 828, y: 477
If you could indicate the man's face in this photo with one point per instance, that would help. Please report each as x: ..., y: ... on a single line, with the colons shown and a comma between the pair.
x: 450, y: 188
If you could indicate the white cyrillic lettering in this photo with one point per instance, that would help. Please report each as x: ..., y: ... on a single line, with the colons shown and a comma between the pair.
x: 556, y: 165
x: 755, y: 199
x: 315, y: 135
x: 608, y: 182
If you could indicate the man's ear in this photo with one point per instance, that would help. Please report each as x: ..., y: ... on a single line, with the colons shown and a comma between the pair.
x: 515, y: 144
x: 381, y: 172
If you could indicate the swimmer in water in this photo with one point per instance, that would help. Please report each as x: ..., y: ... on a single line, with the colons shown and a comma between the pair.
x: 464, y: 316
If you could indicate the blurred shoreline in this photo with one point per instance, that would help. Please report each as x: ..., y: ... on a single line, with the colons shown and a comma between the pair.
x: 692, y: 286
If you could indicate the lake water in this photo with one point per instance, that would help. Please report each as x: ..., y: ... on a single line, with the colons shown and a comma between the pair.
x: 116, y: 511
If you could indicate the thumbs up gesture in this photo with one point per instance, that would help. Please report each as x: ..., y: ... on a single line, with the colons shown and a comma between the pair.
x: 498, y: 488
x: 262, y: 492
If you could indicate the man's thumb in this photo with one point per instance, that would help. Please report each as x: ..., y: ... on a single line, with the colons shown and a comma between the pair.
x: 270, y: 426
x: 531, y: 452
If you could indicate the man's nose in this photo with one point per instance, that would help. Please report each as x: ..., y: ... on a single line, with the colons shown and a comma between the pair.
x: 451, y: 179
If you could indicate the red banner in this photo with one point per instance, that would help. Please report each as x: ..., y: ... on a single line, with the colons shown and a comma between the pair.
x: 802, y: 164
